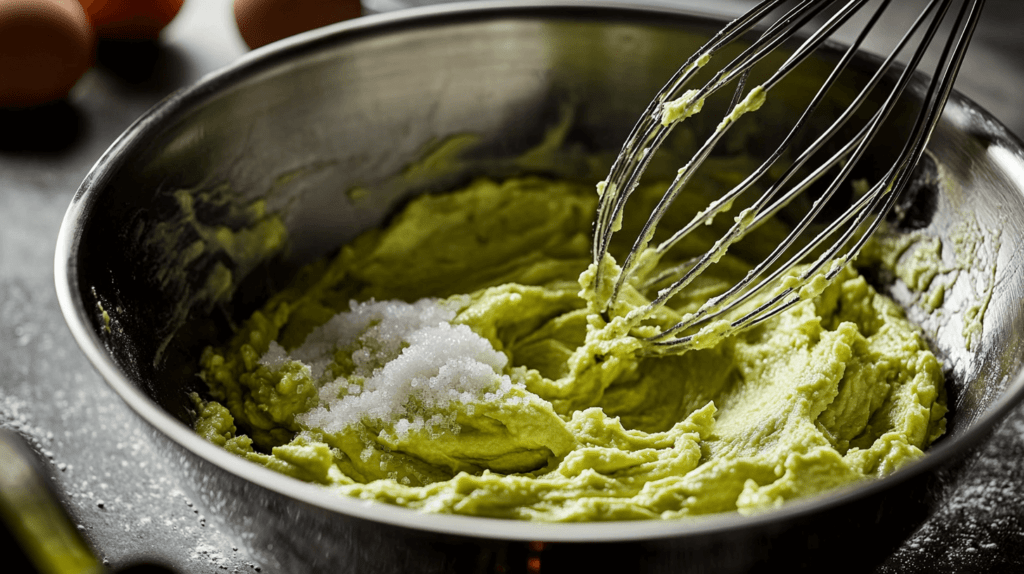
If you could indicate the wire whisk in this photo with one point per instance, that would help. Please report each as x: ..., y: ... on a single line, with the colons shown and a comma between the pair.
x: 839, y: 240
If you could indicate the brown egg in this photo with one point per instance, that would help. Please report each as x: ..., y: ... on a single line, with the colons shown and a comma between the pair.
x: 131, y: 19
x: 45, y: 46
x: 264, y: 21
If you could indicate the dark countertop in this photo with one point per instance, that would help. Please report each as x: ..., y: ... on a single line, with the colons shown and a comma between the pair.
x: 117, y: 488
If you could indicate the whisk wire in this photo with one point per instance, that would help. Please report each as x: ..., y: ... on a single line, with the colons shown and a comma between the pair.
x: 653, y: 127
x: 858, y: 221
x: 738, y: 230
x: 652, y: 116
x: 748, y: 182
x: 656, y: 132
x: 739, y: 292
x: 897, y: 178
x: 795, y: 18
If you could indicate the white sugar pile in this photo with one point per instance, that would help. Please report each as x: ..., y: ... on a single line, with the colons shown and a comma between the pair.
x: 410, y: 365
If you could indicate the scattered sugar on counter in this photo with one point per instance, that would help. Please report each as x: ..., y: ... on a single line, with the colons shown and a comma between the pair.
x: 410, y: 365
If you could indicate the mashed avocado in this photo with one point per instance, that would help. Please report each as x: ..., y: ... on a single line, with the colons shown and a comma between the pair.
x: 448, y: 363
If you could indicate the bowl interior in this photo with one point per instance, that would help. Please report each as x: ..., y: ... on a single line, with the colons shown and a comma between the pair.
x: 321, y: 137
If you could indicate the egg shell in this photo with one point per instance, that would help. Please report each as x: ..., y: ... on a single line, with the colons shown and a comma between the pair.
x: 131, y: 19
x: 45, y: 47
x: 264, y: 21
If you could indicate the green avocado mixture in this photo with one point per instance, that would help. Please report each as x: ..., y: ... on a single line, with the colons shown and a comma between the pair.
x: 449, y: 363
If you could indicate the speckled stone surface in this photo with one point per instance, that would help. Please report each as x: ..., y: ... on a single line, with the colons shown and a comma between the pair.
x: 119, y: 491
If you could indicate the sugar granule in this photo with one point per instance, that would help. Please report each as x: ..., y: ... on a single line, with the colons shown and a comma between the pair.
x: 406, y: 356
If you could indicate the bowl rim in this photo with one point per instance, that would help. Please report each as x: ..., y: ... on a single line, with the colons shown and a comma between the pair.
x: 77, y: 317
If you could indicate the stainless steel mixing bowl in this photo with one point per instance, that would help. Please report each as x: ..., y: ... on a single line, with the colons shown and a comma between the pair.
x: 326, y: 133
